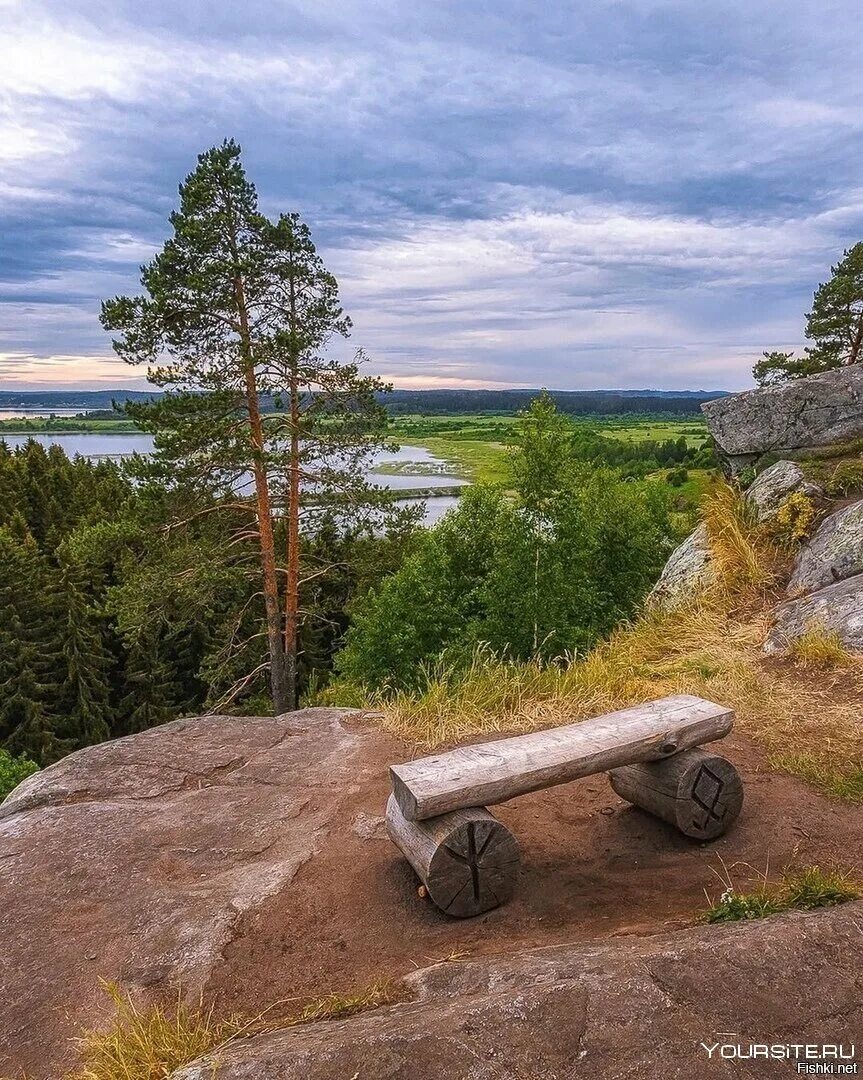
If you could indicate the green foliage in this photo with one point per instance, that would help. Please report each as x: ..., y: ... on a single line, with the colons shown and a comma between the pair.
x: 543, y: 575
x: 114, y: 619
x: 845, y: 479
x: 799, y: 890
x: 835, y: 325
x: 13, y: 770
x: 735, y: 907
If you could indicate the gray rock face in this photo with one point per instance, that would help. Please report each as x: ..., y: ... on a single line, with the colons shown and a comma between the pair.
x: 836, y: 608
x: 834, y: 553
x: 689, y: 567
x: 687, y: 570
x: 769, y: 490
x: 136, y: 859
x: 633, y: 1008
x: 819, y: 410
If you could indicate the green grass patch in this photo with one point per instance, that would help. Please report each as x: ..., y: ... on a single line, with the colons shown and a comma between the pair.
x: 799, y: 890
x: 13, y: 770
x: 841, y: 778
x: 61, y: 425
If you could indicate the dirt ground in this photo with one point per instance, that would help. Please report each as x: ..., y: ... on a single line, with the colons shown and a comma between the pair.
x: 592, y: 867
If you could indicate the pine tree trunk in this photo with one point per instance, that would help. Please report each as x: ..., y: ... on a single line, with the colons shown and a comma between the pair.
x: 282, y: 701
x: 292, y: 597
x: 857, y: 341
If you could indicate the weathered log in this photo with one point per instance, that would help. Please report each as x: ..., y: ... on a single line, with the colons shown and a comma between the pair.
x: 467, y: 860
x: 493, y: 772
x: 699, y: 792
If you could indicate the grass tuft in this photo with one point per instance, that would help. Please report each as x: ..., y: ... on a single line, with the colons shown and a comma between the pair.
x: 799, y: 890
x: 826, y: 771
x: 145, y: 1043
x: 820, y: 648
x: 151, y: 1042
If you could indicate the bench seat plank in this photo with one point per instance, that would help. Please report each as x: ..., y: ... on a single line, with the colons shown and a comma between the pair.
x: 493, y: 772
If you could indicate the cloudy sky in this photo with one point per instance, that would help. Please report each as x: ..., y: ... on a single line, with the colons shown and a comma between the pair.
x: 639, y: 193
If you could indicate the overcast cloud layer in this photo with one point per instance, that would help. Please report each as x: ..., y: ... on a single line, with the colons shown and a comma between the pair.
x: 633, y: 194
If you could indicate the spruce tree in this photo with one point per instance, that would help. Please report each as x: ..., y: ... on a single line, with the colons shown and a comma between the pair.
x: 83, y: 697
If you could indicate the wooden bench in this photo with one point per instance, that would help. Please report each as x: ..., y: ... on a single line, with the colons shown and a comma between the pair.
x: 468, y: 861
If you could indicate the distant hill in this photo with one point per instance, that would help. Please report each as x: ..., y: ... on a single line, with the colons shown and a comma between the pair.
x: 435, y: 402
x: 574, y: 402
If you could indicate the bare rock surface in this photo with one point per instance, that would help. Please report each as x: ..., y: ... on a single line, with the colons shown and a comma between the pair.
x: 134, y: 860
x: 835, y: 608
x: 820, y: 410
x: 627, y: 1009
x: 687, y: 570
x: 834, y: 553
x: 771, y: 488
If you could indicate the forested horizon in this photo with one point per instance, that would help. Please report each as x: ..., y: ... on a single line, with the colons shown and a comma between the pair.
x: 434, y: 402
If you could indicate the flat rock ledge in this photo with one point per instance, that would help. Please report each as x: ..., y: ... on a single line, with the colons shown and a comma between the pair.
x: 135, y: 860
x: 628, y: 1009
x: 820, y: 410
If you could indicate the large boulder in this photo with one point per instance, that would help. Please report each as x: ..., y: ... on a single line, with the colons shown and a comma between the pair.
x: 771, y: 488
x: 629, y: 1009
x: 820, y: 410
x: 834, y: 553
x: 136, y: 860
x: 689, y: 568
x: 836, y: 609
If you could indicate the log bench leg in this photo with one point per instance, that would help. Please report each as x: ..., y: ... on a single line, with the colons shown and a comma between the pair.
x: 467, y: 860
x: 699, y: 792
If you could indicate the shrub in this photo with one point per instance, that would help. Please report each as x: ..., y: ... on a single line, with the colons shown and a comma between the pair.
x: 13, y: 770
x: 526, y: 584
x: 794, y: 519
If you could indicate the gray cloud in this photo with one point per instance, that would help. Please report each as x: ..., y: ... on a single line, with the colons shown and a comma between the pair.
x: 631, y: 193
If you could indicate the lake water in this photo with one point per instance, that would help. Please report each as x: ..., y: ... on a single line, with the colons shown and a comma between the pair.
x: 429, y: 471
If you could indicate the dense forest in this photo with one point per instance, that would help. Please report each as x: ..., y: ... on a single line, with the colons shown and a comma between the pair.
x: 118, y: 616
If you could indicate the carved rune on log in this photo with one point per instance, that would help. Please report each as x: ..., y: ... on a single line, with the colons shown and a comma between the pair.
x: 699, y: 792
x: 467, y: 860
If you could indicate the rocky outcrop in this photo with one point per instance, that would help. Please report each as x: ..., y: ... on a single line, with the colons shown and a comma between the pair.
x: 771, y: 488
x: 834, y: 553
x: 835, y: 609
x: 820, y: 410
x: 688, y: 569
x: 135, y: 860
x: 634, y: 1008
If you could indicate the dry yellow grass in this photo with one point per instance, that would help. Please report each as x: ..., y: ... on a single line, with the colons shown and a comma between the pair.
x: 820, y: 648
x: 709, y: 646
x: 150, y: 1042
